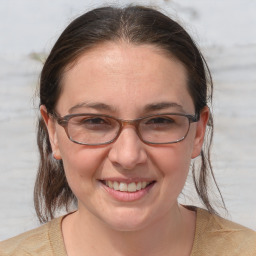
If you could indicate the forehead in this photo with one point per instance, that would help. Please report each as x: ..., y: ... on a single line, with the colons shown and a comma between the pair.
x: 121, y: 74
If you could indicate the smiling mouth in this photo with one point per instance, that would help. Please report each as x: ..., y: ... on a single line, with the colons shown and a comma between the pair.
x: 127, y: 187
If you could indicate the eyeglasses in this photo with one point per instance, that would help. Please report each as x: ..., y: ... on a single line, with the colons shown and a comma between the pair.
x: 96, y: 129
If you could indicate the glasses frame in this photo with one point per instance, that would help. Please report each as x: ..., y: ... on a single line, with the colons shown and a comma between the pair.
x: 63, y: 121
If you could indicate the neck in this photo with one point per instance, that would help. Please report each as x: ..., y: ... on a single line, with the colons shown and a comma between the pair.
x: 166, y: 236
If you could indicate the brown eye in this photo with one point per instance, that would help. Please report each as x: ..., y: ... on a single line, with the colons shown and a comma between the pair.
x: 160, y: 120
x: 93, y: 121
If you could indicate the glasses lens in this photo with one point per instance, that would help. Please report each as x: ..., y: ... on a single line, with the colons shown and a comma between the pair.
x: 164, y: 128
x: 92, y: 129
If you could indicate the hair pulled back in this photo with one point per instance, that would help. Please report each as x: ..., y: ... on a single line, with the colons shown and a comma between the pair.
x: 135, y: 25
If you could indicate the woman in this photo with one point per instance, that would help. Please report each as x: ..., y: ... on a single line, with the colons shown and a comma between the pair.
x: 124, y: 100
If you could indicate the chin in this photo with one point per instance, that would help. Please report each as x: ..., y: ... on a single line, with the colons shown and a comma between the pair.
x: 130, y: 220
x: 127, y: 226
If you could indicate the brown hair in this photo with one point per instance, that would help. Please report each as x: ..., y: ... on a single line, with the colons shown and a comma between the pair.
x: 135, y: 25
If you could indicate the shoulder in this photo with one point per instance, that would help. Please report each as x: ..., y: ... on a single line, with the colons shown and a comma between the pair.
x: 218, y: 236
x: 40, y: 241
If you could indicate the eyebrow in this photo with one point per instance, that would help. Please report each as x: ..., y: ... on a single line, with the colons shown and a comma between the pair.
x: 148, y: 108
x: 163, y: 106
x: 93, y: 105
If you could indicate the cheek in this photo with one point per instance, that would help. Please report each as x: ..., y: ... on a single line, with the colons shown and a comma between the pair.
x: 173, y: 158
x: 81, y: 164
x: 173, y: 163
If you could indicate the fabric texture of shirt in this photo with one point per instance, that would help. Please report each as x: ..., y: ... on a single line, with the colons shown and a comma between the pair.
x: 214, y: 236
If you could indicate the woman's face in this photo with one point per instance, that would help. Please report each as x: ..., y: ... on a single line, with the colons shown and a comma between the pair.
x: 126, y: 82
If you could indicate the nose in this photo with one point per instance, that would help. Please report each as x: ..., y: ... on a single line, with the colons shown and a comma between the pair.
x: 128, y: 150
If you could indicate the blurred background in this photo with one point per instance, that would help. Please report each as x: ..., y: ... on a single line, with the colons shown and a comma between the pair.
x: 225, y: 32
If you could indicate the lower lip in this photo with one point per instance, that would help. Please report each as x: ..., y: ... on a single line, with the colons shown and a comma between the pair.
x: 128, y: 196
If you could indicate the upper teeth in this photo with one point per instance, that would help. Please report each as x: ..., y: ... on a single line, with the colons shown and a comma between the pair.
x: 124, y: 187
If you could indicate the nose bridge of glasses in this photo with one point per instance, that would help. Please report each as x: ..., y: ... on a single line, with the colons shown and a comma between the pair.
x: 132, y: 123
x: 129, y: 124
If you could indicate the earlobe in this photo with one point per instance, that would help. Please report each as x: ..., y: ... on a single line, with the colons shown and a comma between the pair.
x: 51, y: 128
x: 200, y: 132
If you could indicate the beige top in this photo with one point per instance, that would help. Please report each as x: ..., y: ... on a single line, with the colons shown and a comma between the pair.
x: 214, y: 236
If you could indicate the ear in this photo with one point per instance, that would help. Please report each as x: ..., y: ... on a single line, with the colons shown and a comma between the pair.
x: 51, y: 127
x: 200, y: 132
